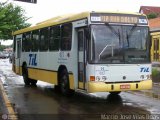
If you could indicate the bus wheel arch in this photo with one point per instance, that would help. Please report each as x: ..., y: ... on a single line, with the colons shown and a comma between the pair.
x: 63, y: 80
x: 115, y: 93
x: 25, y: 74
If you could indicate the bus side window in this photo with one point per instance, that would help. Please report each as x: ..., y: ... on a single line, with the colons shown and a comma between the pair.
x: 35, y: 40
x: 44, y: 39
x: 27, y: 41
x: 54, y: 38
x: 66, y: 34
x: 23, y: 42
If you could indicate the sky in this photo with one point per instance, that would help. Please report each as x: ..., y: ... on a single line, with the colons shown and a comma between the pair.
x: 46, y: 9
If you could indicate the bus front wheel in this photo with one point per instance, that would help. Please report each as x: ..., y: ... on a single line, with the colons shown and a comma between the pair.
x: 33, y: 82
x: 64, y: 82
x: 115, y: 93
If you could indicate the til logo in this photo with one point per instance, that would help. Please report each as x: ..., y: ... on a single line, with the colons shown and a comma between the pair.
x: 144, y: 69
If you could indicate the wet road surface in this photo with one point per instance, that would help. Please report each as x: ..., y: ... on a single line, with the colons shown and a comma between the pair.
x: 44, y: 102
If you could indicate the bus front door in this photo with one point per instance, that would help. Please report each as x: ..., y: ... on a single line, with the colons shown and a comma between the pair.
x: 81, y: 59
x: 18, y: 55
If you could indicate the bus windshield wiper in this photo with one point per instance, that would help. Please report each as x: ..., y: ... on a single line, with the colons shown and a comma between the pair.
x: 105, y: 49
x: 111, y: 45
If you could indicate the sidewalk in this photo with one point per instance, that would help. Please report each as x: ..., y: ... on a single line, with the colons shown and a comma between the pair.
x: 6, y: 109
x: 3, y: 109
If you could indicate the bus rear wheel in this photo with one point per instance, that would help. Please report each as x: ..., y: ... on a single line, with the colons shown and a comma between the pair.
x: 64, y: 83
x: 27, y: 81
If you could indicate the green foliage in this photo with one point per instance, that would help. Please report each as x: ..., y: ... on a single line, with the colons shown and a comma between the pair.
x: 155, y: 72
x: 12, y: 18
x: 2, y: 47
x: 152, y: 15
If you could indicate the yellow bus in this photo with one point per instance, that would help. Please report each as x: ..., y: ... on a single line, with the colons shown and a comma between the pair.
x: 88, y: 52
x: 155, y: 50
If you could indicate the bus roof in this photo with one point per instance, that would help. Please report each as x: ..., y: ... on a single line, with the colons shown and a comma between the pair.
x: 63, y: 19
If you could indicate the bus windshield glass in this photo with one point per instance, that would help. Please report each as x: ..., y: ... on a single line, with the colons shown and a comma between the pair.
x: 119, y: 44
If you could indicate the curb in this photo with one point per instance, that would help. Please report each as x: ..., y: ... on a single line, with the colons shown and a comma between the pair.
x: 11, y: 113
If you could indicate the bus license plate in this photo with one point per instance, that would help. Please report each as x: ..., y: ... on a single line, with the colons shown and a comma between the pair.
x: 126, y: 86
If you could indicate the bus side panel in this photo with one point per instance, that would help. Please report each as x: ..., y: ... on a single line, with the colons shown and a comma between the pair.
x: 48, y: 76
x: 44, y: 75
x: 71, y: 81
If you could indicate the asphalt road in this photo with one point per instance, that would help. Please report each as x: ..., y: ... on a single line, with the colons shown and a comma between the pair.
x: 45, y: 103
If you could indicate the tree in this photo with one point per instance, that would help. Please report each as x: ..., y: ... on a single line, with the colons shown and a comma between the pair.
x: 152, y: 15
x: 12, y: 18
x: 2, y: 47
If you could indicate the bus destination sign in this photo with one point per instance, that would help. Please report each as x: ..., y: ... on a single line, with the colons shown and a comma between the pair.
x: 119, y: 19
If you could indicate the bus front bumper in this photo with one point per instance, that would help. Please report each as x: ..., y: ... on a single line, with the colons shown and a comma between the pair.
x: 111, y: 87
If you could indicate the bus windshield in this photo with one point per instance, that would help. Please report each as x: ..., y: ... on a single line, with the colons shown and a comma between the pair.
x: 119, y: 44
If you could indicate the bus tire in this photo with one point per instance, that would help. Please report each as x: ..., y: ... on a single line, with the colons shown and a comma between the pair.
x: 115, y: 93
x: 64, y: 82
x: 33, y: 82
x: 57, y: 88
x: 27, y: 81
